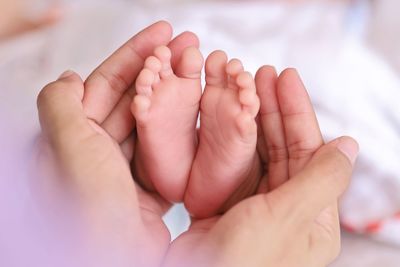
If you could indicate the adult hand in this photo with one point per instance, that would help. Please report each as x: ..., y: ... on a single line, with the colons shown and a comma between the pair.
x: 294, y: 219
x: 87, y: 130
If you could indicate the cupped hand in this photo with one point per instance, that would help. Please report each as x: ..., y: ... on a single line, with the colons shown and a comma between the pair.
x: 87, y: 133
x: 293, y: 221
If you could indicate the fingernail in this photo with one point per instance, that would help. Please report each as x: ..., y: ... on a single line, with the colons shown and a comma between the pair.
x: 269, y: 69
x: 66, y: 74
x: 349, y: 147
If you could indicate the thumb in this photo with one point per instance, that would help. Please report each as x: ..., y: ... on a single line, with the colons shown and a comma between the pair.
x: 320, y: 183
x: 60, y: 108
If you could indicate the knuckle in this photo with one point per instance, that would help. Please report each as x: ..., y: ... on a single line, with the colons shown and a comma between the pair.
x: 46, y: 93
x: 301, y: 149
x: 113, y: 80
x: 339, y: 167
x: 277, y: 153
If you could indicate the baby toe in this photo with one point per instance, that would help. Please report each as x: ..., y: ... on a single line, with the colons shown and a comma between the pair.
x: 190, y: 64
x: 154, y: 64
x: 144, y: 82
x: 215, y: 69
x: 164, y: 54
x: 247, y: 94
x: 140, y: 108
x: 233, y: 69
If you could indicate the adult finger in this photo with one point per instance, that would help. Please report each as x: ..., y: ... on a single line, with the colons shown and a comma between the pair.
x: 106, y: 85
x: 302, y: 133
x: 182, y: 41
x: 60, y: 108
x: 78, y: 151
x: 319, y: 184
x: 120, y: 122
x: 272, y: 128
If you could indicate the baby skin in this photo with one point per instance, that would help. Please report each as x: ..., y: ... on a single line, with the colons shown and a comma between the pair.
x: 214, y: 168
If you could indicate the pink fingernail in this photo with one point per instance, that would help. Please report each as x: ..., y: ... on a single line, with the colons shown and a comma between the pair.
x: 66, y: 74
x: 349, y: 147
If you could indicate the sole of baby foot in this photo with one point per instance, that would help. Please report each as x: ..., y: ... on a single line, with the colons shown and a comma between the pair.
x: 166, y: 109
x: 226, y: 168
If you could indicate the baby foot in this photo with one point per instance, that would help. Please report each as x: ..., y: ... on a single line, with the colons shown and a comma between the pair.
x: 166, y: 108
x: 226, y: 163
